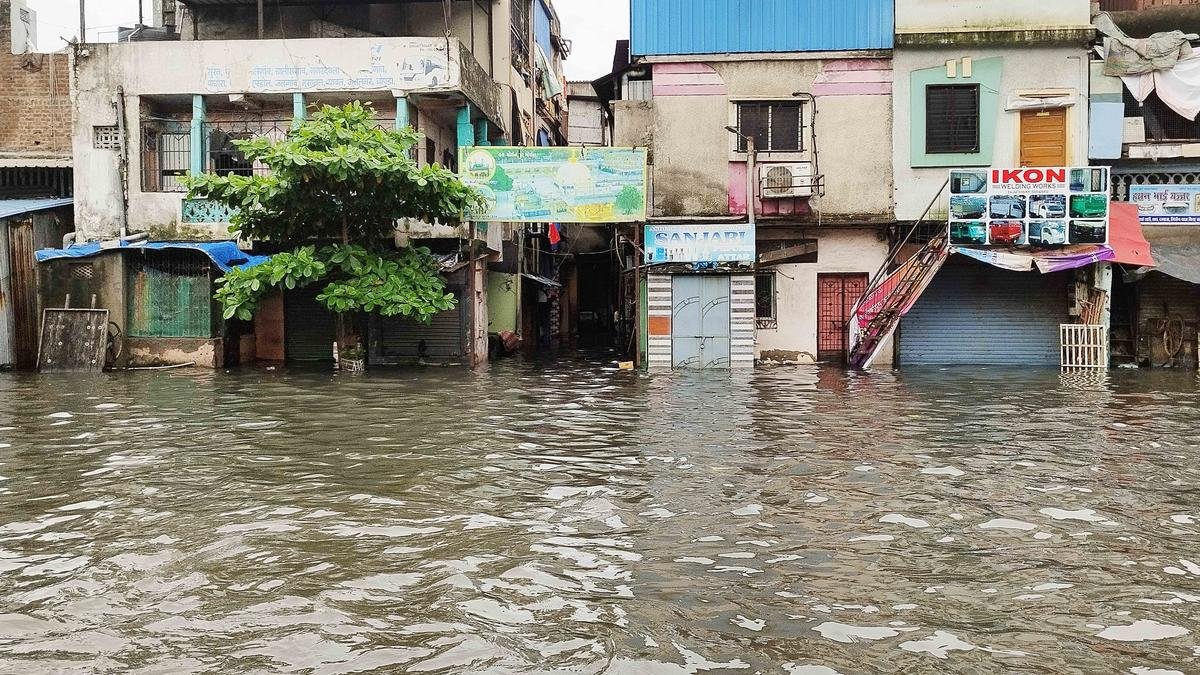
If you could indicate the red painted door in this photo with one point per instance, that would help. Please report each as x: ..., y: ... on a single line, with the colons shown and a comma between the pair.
x: 836, y: 296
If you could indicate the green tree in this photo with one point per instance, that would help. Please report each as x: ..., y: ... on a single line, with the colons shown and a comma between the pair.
x: 630, y: 200
x: 336, y: 186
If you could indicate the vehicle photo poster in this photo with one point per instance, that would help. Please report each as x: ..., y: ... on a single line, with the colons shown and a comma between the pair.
x: 1029, y: 208
x: 1166, y: 204
x: 557, y: 185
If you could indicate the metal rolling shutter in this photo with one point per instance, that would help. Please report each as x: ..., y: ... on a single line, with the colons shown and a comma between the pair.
x: 976, y: 314
x: 400, y: 337
x: 309, y: 329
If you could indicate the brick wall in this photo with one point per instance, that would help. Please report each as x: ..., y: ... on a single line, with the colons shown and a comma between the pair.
x: 35, y: 110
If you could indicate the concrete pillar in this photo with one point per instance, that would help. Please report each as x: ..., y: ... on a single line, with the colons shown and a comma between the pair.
x: 197, y: 151
x: 402, y: 120
x: 466, y: 130
x: 299, y: 111
x: 481, y: 133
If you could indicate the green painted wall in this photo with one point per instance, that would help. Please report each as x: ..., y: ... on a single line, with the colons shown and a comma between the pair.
x: 504, y: 294
x: 987, y: 74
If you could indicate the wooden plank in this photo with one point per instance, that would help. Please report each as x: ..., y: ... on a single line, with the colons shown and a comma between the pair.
x: 73, y: 340
x: 785, y: 254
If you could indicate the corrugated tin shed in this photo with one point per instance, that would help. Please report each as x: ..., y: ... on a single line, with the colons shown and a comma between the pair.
x: 665, y: 27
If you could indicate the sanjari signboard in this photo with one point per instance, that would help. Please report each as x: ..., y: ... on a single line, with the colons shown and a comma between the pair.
x: 1166, y: 204
x: 1029, y: 207
x: 557, y: 185
x: 700, y: 243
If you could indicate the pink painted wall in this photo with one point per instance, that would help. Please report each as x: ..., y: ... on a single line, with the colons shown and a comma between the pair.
x: 763, y: 207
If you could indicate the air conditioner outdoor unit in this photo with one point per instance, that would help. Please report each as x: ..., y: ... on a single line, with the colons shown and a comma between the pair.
x: 781, y: 181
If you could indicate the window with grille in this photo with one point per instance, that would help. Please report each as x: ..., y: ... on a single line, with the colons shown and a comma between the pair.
x: 166, y: 159
x: 764, y: 300
x: 951, y: 118
x: 520, y: 34
x: 774, y: 126
x: 169, y: 294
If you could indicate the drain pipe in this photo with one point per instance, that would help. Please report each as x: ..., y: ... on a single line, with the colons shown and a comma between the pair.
x: 123, y: 160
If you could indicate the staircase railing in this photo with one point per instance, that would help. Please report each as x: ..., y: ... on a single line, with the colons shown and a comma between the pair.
x: 891, y: 294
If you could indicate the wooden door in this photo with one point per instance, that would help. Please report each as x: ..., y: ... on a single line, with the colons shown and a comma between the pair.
x: 1044, y: 137
x: 24, y: 293
x: 836, y: 297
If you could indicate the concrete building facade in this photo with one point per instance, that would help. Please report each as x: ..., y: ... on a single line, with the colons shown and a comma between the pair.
x: 815, y: 196
x: 146, y: 113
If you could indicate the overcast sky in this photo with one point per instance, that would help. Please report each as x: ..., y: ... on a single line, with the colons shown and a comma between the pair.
x: 593, y: 26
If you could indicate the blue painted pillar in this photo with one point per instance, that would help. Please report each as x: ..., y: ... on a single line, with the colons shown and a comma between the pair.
x: 481, y: 133
x: 196, y: 166
x: 402, y: 120
x: 299, y: 111
x: 466, y: 130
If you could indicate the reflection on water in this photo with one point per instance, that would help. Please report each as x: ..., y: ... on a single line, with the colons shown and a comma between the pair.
x: 581, y: 519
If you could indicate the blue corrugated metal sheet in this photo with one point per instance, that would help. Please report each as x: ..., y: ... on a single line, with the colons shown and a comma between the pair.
x: 662, y: 27
x: 15, y: 207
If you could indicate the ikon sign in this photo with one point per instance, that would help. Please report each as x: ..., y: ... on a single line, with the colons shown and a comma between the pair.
x: 1022, y: 180
x: 1029, y: 207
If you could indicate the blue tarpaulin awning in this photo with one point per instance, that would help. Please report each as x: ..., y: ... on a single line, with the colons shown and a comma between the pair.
x: 224, y: 254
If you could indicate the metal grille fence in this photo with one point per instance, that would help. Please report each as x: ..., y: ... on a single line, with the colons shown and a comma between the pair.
x: 169, y: 294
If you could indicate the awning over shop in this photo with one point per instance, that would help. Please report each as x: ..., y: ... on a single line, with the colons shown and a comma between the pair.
x: 224, y: 254
x: 1126, y: 245
x: 1176, y: 252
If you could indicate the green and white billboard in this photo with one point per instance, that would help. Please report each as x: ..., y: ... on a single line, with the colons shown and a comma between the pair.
x: 557, y: 185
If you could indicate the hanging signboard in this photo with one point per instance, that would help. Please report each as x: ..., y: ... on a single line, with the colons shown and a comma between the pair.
x: 557, y: 185
x: 1166, y: 204
x: 700, y: 243
x: 1038, y: 207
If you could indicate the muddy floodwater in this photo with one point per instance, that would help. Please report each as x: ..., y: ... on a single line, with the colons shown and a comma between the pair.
x: 572, y: 518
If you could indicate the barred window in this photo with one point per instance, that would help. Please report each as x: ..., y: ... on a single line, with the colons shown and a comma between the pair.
x: 951, y: 118
x: 166, y: 158
x: 774, y: 126
x: 169, y: 294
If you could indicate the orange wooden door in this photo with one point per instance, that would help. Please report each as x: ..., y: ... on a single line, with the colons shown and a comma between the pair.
x: 1044, y: 137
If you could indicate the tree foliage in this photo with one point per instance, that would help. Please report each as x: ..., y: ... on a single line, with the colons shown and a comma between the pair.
x: 338, y: 177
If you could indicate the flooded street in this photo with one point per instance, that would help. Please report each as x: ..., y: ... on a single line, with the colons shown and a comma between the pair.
x: 575, y: 518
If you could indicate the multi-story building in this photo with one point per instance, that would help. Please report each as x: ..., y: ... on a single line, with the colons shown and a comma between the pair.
x: 35, y: 173
x: 146, y: 113
x: 980, y: 85
x: 769, y: 128
x: 1143, y: 126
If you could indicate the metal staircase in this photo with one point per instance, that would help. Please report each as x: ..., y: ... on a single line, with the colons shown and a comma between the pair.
x: 890, y: 295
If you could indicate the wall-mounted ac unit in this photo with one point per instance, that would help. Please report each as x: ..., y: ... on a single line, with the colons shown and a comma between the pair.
x: 781, y: 181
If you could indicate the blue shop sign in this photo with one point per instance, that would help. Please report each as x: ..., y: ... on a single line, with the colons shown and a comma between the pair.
x: 700, y: 243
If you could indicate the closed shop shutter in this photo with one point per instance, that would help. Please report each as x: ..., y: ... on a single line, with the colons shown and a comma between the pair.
x: 1163, y: 297
x: 400, y: 338
x: 309, y: 329
x: 977, y: 314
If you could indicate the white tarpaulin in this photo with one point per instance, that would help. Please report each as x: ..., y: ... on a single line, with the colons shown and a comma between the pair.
x: 1178, y: 87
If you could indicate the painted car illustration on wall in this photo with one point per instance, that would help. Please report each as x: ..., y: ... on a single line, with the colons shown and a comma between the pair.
x: 967, y: 208
x: 1088, y: 232
x: 1089, y: 206
x: 1048, y: 233
x: 1007, y: 206
x: 1048, y: 206
x: 1006, y: 233
x: 971, y: 233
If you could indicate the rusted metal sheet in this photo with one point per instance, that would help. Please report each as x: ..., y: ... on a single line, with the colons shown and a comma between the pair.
x: 73, y: 340
x: 23, y: 285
